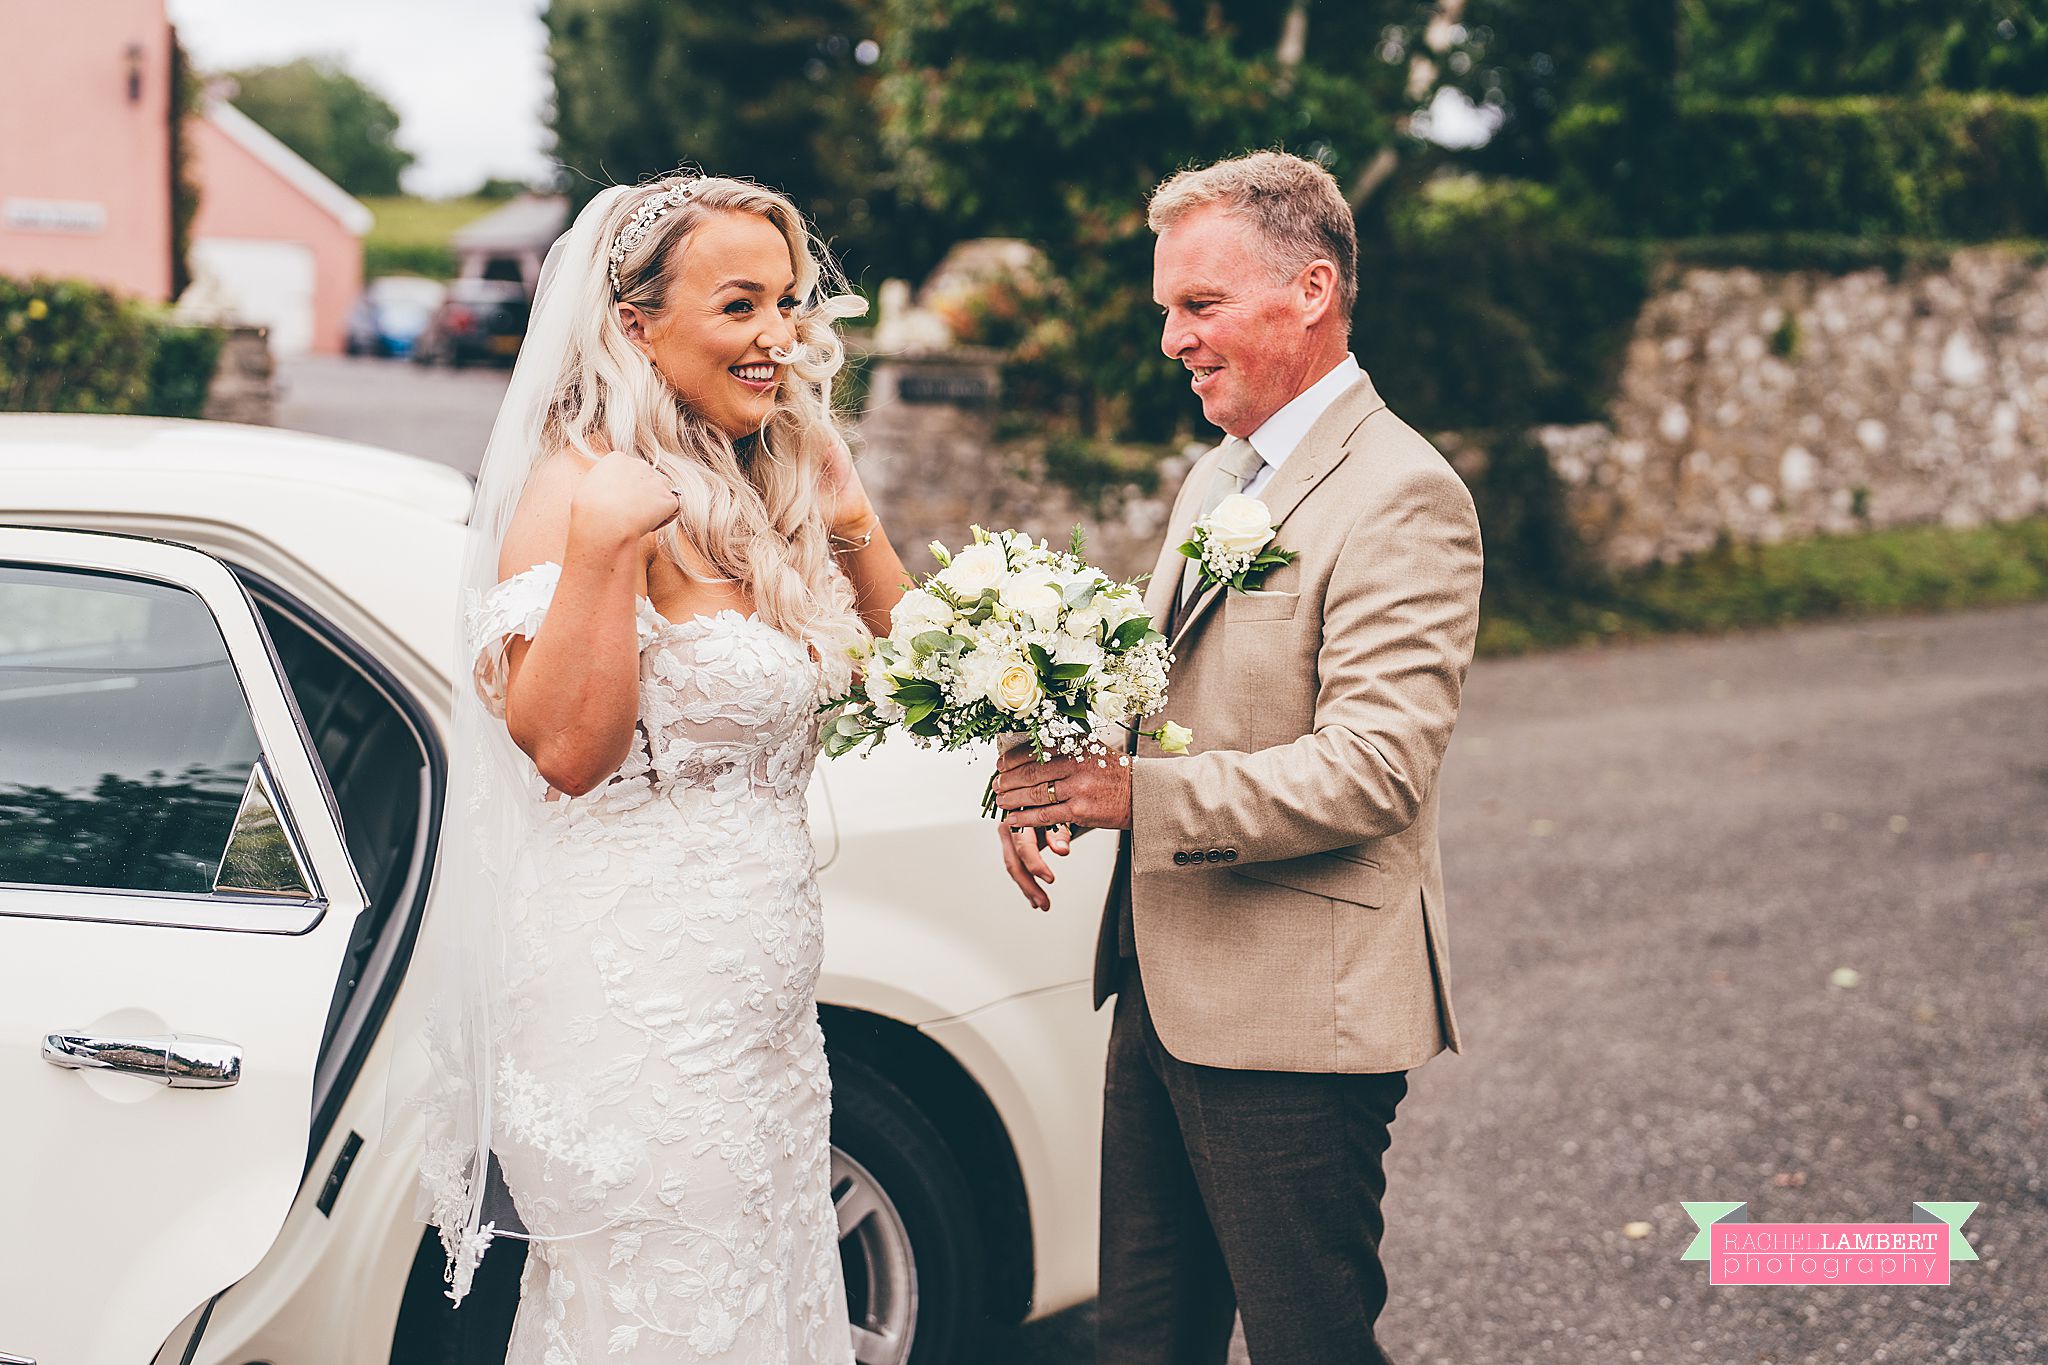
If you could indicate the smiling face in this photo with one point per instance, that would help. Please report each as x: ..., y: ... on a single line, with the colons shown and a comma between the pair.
x: 729, y: 304
x: 1250, y: 344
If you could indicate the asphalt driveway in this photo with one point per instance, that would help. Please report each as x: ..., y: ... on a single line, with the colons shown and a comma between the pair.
x: 1661, y: 861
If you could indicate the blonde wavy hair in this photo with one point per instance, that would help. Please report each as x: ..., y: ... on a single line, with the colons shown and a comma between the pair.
x: 754, y: 509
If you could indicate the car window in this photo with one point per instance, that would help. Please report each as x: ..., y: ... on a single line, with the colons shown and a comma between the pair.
x: 379, y: 770
x: 125, y: 741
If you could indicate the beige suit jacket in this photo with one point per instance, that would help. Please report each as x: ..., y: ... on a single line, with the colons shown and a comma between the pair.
x: 1286, y: 887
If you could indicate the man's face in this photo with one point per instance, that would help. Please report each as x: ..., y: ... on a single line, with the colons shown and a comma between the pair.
x: 1245, y: 340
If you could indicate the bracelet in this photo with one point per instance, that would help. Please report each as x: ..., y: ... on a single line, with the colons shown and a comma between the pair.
x: 860, y: 543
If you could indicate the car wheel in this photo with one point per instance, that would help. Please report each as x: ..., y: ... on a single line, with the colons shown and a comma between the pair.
x: 909, y: 1245
x: 908, y: 1237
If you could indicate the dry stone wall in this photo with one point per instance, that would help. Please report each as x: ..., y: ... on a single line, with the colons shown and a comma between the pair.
x: 1751, y: 405
x: 1769, y: 406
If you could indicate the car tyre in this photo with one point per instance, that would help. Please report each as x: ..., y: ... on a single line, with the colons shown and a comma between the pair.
x: 908, y: 1236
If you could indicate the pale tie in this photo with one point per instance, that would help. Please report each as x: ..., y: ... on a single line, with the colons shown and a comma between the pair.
x: 1239, y: 465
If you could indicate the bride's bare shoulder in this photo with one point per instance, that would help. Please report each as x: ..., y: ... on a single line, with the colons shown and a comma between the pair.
x: 539, y: 531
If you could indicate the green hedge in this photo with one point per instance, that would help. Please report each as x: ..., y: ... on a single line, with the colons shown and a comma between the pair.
x: 69, y: 346
x: 1483, y: 304
x: 1966, y: 168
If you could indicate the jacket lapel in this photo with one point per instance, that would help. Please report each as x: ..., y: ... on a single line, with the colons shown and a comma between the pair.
x: 1164, y: 586
x: 1333, y: 436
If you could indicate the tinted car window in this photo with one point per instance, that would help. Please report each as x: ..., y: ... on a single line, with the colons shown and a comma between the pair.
x: 125, y: 741
x: 377, y: 765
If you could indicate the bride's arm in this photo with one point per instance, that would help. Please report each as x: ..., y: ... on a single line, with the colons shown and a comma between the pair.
x: 572, y: 694
x: 861, y: 545
x: 871, y: 564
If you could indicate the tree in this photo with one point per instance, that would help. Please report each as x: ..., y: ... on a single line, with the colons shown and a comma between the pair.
x: 343, y: 127
x: 783, y: 96
x: 1054, y: 120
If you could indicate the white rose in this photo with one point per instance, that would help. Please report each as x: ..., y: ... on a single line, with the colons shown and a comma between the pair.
x: 973, y: 569
x: 916, y: 612
x: 1175, y: 738
x: 1240, y: 525
x: 1016, y: 689
x: 1033, y: 594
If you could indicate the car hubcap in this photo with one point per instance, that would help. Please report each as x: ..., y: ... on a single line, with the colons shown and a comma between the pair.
x: 874, y: 1252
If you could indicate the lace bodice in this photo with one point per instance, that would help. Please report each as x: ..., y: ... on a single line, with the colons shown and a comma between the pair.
x: 728, y: 703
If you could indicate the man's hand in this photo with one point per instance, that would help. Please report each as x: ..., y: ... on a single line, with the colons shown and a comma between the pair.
x: 1090, y: 792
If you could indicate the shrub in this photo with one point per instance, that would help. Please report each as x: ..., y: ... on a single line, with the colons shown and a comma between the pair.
x: 1482, y: 304
x: 70, y: 346
x: 1937, y: 165
x: 182, y: 370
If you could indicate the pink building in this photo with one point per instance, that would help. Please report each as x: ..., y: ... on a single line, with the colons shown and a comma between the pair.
x: 85, y: 187
x: 85, y: 143
x: 275, y: 242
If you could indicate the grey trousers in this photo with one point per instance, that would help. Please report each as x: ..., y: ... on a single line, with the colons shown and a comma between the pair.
x: 1228, y: 1192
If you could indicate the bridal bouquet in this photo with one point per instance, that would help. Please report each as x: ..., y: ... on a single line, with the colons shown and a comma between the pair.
x: 1010, y: 638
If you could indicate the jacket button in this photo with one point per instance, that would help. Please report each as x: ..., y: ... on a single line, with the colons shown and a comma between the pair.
x: 1180, y: 859
x: 1215, y: 855
x: 1229, y: 855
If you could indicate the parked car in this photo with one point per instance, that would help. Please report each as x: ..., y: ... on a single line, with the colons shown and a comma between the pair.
x: 226, y: 657
x: 391, y: 314
x: 479, y: 321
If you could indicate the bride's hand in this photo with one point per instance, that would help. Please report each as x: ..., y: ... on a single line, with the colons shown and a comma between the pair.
x: 621, y: 498
x: 848, y: 512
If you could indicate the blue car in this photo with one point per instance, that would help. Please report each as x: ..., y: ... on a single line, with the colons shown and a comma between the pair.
x: 391, y: 314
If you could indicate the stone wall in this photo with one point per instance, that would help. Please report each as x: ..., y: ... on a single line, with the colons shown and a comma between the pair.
x: 244, y: 385
x: 1753, y: 406
x: 1767, y: 406
x: 932, y: 458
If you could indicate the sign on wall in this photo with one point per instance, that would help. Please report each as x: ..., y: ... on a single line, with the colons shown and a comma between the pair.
x: 55, y: 215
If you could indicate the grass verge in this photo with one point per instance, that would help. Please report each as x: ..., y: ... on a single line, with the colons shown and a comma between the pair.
x: 411, y: 235
x: 1907, y: 569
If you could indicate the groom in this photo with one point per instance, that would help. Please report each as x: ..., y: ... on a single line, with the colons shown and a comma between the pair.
x: 1275, y: 934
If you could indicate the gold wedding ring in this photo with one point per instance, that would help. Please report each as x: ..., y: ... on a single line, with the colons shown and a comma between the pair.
x: 1052, y: 792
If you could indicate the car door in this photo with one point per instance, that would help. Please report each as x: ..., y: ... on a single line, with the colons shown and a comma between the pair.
x: 175, y: 899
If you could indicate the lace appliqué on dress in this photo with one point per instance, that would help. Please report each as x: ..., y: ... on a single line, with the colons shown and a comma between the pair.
x: 664, y: 1108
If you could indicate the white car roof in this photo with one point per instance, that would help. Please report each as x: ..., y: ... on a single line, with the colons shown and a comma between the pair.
x: 36, y: 440
x: 367, y: 536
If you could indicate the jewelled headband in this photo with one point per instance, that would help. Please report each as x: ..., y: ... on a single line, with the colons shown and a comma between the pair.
x: 642, y: 222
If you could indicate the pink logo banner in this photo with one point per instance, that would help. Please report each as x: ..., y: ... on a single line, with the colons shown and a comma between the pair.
x: 1828, y: 1253
x: 1738, y: 1251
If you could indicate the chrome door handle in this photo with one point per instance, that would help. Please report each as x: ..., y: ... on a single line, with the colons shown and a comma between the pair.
x: 180, y: 1061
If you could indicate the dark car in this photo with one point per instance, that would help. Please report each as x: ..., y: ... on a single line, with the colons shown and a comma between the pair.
x: 480, y: 321
x: 392, y: 313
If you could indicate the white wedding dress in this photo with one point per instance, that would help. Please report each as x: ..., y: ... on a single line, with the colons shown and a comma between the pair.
x: 664, y: 1109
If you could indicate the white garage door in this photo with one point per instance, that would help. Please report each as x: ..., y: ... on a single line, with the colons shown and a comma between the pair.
x: 267, y: 283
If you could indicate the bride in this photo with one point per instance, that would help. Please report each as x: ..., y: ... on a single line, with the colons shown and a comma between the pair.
x: 671, y: 561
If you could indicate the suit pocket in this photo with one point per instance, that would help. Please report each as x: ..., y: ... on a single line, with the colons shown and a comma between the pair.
x: 1261, y: 606
x: 1339, y: 876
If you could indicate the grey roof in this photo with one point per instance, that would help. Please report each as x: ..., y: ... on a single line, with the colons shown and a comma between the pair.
x: 530, y: 222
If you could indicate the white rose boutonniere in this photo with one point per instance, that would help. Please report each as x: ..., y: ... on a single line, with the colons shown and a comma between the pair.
x: 1234, y: 544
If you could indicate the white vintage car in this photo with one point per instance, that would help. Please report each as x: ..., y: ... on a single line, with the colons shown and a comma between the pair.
x: 225, y: 662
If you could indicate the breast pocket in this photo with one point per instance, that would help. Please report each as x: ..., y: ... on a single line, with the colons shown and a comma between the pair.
x: 1260, y: 606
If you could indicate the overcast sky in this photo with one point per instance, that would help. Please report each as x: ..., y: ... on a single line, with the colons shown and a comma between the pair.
x: 469, y: 78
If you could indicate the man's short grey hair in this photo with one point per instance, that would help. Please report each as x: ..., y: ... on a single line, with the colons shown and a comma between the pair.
x: 1292, y: 203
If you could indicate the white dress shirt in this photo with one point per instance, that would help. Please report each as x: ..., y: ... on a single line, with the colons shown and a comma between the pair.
x: 1279, y: 434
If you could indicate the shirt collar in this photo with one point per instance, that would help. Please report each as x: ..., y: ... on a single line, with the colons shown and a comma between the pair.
x: 1279, y: 434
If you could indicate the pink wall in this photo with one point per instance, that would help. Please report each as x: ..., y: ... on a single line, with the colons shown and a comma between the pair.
x: 69, y: 135
x: 242, y: 197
